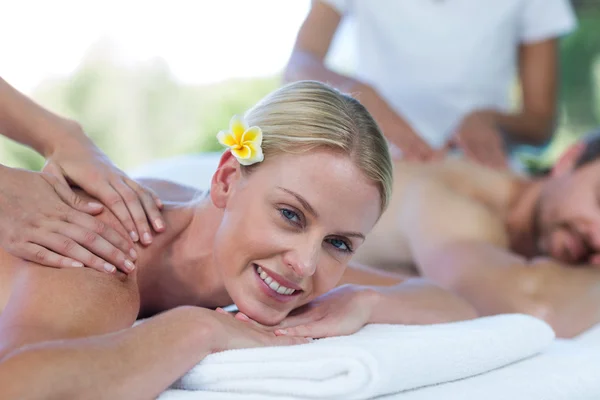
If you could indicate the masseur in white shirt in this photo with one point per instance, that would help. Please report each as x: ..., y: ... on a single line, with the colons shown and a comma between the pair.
x: 437, y: 74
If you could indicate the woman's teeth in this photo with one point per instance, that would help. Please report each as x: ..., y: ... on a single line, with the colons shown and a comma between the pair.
x: 272, y: 283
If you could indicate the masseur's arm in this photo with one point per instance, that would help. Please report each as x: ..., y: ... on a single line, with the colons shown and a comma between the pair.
x: 307, y: 62
x: 462, y: 246
x: 73, y: 159
x: 538, y: 73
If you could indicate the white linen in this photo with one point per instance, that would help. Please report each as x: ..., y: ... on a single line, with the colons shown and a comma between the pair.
x: 378, y: 360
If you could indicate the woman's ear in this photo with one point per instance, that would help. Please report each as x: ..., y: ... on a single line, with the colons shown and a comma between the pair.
x: 566, y: 162
x: 224, y: 179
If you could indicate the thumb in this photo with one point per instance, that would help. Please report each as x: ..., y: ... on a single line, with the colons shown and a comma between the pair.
x: 316, y: 329
x: 54, y: 170
x: 67, y: 195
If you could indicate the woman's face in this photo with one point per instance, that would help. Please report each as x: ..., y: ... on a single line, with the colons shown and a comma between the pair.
x: 289, y: 228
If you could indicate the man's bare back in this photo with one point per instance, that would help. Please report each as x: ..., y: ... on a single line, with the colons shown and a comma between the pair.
x: 477, y: 232
x: 388, y: 248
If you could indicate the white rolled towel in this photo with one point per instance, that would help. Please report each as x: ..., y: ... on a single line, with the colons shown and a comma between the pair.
x: 377, y: 360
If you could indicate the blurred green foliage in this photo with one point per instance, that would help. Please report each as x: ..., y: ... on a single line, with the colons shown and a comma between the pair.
x: 137, y: 114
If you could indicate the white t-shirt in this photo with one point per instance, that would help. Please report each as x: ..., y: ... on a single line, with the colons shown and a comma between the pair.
x: 435, y: 61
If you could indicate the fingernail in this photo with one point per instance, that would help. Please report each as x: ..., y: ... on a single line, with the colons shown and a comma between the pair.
x: 129, y: 265
x: 147, y: 238
x: 95, y: 205
x: 282, y: 331
x: 134, y: 236
x: 159, y: 203
x: 109, y: 267
x: 242, y: 316
x: 133, y: 254
x: 77, y: 264
x: 158, y: 223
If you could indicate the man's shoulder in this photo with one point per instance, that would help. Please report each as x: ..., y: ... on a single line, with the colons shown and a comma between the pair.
x: 450, y: 212
x: 457, y: 178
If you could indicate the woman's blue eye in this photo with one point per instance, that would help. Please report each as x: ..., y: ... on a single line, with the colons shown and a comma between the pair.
x: 339, y: 244
x: 290, y: 215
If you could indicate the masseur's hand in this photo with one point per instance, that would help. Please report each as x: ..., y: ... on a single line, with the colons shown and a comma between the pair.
x: 342, y: 311
x: 401, y: 135
x: 239, y: 332
x: 42, y: 220
x: 81, y: 163
x: 481, y: 140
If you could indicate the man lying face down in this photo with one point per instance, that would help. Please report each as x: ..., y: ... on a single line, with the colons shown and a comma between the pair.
x: 504, y: 242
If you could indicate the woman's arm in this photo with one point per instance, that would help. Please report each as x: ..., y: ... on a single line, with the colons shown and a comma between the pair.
x: 346, y: 309
x: 66, y: 334
x: 135, y: 363
x: 417, y: 301
x: 358, y: 274
x: 24, y: 121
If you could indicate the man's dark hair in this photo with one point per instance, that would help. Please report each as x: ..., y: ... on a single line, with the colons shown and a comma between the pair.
x: 591, y: 152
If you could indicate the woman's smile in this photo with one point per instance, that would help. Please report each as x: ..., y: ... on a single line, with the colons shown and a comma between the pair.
x: 275, y: 286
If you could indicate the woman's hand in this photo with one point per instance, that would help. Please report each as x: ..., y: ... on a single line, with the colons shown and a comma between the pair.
x: 43, y: 221
x: 78, y: 161
x: 479, y: 138
x: 239, y: 332
x: 342, y: 311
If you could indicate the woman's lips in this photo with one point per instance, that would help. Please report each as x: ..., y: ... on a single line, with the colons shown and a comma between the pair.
x: 272, y: 293
x: 280, y: 279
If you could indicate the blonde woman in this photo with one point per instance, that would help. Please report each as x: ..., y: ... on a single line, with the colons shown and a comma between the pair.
x: 306, y: 177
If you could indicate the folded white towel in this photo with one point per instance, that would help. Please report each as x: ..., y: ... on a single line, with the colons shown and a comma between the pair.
x: 378, y: 360
x: 566, y: 370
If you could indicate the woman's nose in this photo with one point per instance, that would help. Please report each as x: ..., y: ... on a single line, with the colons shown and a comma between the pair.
x: 303, y: 259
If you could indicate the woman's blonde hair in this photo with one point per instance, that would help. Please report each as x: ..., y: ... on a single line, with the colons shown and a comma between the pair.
x: 304, y: 115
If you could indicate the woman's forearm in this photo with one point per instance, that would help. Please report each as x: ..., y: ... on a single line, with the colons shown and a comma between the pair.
x: 23, y: 120
x: 136, y: 363
x: 417, y: 301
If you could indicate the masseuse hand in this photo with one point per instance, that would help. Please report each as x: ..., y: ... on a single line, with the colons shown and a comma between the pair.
x: 42, y: 220
x: 238, y: 332
x: 481, y: 140
x: 342, y: 311
x: 81, y: 163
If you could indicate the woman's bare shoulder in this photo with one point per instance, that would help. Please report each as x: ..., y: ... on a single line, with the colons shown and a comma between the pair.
x: 52, y: 304
x: 8, y: 269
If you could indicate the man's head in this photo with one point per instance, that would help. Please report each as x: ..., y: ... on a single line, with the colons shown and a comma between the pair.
x: 568, y: 212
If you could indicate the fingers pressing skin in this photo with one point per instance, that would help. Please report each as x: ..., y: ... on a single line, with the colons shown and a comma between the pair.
x: 64, y: 191
x: 38, y: 254
x: 66, y: 245
x: 90, y: 239
x: 151, y: 205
